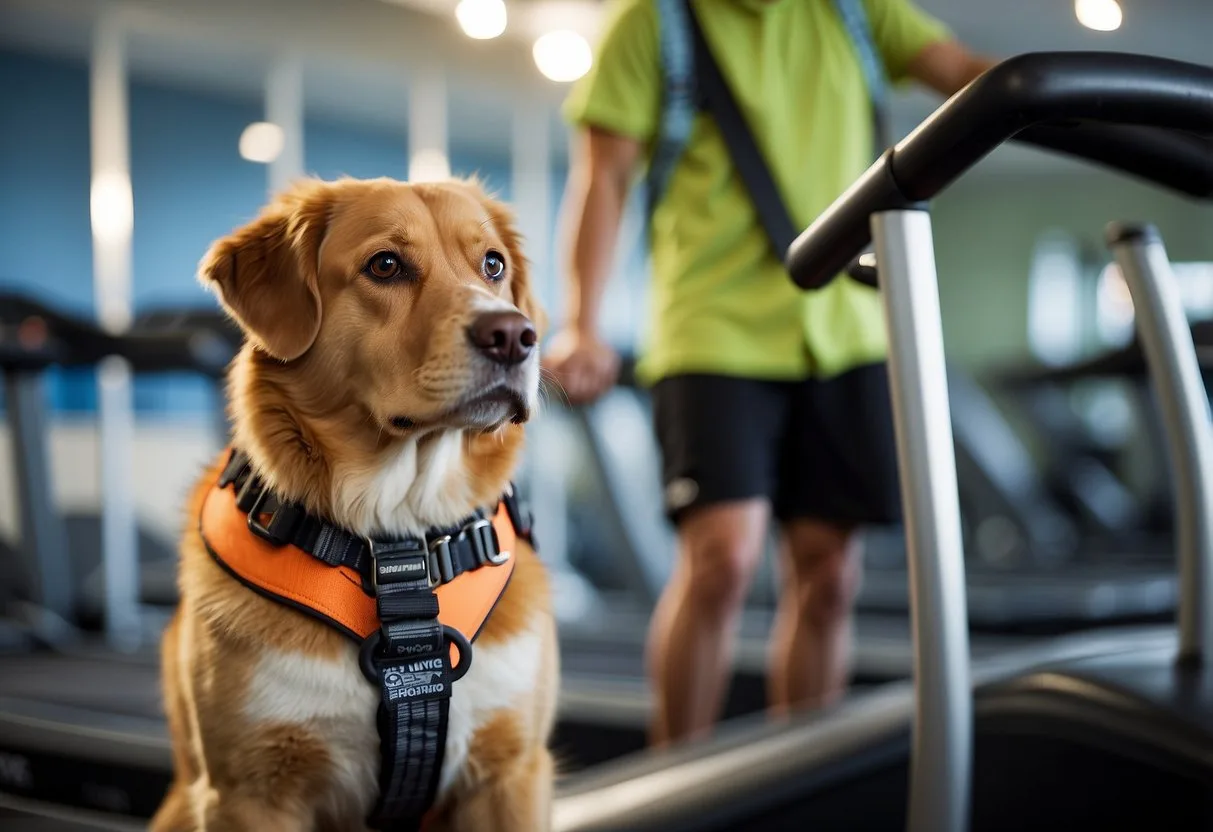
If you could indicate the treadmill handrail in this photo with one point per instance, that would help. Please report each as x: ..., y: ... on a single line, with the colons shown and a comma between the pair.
x: 194, y: 345
x: 1166, y: 340
x: 757, y: 765
x: 1043, y: 88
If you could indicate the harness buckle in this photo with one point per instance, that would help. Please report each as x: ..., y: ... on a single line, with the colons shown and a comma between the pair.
x: 237, y: 464
x: 370, y: 656
x: 440, y: 554
x: 284, y: 519
x: 249, y: 494
x: 400, y: 562
x: 485, y: 543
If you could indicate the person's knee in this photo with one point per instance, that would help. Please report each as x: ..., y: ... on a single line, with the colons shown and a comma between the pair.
x: 721, y: 570
x: 721, y: 558
x: 827, y: 578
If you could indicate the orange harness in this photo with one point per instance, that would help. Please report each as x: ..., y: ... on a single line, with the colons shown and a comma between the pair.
x: 415, y: 606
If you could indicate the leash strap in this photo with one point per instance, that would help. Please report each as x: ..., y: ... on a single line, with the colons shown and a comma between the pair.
x: 408, y: 658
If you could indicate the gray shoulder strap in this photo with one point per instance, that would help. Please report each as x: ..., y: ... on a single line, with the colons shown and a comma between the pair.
x: 678, y: 106
x: 859, y: 29
x: 678, y: 98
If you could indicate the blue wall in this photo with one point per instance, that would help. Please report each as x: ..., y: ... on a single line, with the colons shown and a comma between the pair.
x: 44, y: 168
x: 189, y: 184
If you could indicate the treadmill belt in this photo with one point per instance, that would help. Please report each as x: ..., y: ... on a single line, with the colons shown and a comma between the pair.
x: 117, y: 685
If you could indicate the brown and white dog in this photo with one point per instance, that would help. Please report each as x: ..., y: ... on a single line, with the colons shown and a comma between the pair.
x: 366, y: 391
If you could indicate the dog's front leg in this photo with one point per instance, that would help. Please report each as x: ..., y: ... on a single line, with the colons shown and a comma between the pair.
x: 231, y: 811
x: 518, y: 799
x: 175, y: 813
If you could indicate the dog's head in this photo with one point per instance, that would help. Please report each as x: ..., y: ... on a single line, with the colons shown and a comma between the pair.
x: 413, y: 299
x: 398, y: 310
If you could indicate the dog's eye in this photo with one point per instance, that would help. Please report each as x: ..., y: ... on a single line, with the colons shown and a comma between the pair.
x: 383, y: 266
x: 494, y: 265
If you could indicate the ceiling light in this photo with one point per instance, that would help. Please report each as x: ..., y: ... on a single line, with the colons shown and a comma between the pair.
x: 261, y: 142
x: 562, y: 55
x: 1100, y: 15
x: 481, y: 19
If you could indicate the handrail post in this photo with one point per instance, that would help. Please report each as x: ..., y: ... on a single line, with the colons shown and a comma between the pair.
x: 1167, y: 343
x: 941, y: 756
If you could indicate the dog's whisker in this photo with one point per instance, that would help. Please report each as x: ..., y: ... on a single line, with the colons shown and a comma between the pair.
x: 547, y: 385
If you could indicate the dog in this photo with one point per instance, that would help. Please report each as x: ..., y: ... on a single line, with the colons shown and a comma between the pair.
x: 390, y: 364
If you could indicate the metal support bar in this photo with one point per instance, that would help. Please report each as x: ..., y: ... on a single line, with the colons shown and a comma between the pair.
x: 1166, y: 341
x: 284, y: 107
x: 941, y: 755
x: 636, y: 512
x: 43, y: 538
x: 428, y: 153
x: 112, y: 225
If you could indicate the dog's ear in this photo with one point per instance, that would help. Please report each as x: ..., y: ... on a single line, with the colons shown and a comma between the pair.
x: 521, y: 287
x: 266, y: 273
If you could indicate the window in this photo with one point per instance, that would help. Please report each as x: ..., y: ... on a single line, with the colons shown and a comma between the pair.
x: 1114, y: 305
x: 1055, y: 301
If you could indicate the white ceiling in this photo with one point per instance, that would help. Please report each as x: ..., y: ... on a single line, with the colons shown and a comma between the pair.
x: 358, y: 53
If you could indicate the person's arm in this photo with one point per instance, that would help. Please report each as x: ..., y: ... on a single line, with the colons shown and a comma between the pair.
x: 600, y: 175
x: 614, y: 109
x: 917, y: 46
x: 947, y: 66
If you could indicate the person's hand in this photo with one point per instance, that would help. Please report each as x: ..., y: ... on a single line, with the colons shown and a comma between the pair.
x: 582, y: 364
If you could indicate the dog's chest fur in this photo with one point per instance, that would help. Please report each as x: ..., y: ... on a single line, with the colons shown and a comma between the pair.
x: 420, y: 480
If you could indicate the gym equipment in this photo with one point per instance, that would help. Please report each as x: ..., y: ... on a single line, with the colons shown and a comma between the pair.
x: 1129, y: 713
x: 61, y: 556
x: 1082, y: 474
x: 1031, y: 564
x: 100, y: 694
x: 40, y: 595
x: 206, y: 343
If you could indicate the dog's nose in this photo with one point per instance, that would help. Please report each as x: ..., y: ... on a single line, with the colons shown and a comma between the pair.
x: 503, y: 337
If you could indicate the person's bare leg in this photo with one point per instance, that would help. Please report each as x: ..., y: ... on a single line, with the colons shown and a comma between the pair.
x: 811, y: 642
x: 693, y: 629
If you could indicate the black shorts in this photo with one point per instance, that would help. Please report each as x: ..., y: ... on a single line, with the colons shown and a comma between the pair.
x: 816, y: 449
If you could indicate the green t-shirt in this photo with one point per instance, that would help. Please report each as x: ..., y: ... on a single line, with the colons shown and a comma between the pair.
x: 719, y: 301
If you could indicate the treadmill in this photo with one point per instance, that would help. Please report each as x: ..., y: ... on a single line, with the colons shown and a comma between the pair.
x: 1104, y: 730
x: 56, y: 599
x: 203, y: 341
x: 60, y: 560
x: 1041, y: 392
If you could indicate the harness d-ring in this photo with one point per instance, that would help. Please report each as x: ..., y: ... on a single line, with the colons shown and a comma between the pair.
x: 366, y: 654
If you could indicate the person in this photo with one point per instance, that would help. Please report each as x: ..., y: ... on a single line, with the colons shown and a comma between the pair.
x: 768, y: 402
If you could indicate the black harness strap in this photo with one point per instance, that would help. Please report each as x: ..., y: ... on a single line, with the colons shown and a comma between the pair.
x: 715, y: 95
x: 408, y: 657
x: 468, y: 545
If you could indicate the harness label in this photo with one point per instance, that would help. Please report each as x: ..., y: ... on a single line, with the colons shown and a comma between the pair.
x: 422, y: 678
x: 413, y: 567
x: 392, y: 569
x: 413, y: 649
